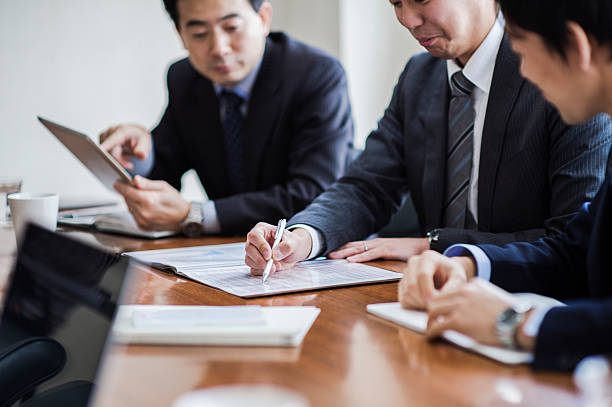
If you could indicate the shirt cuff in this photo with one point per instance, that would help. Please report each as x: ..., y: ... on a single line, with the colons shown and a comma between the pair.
x: 483, y: 263
x: 211, y: 221
x: 531, y: 327
x: 315, y: 235
x: 143, y: 167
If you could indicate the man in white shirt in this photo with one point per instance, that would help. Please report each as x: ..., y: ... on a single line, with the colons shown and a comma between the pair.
x: 566, y: 49
x: 485, y: 158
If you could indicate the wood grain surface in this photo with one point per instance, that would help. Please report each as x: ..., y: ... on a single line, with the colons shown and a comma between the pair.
x: 348, y: 358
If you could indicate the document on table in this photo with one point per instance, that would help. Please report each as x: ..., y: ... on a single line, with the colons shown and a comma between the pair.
x: 184, y: 259
x: 417, y: 321
x: 223, y: 267
x: 308, y: 275
x: 242, y: 325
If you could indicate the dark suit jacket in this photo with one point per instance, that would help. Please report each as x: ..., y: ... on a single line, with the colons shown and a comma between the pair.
x: 297, y: 132
x: 573, y: 266
x: 534, y: 170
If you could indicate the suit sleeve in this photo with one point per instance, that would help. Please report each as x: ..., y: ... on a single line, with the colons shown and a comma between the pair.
x: 170, y: 163
x: 317, y: 157
x: 551, y: 266
x: 577, y: 164
x: 362, y: 201
x: 557, y: 266
x: 568, y: 334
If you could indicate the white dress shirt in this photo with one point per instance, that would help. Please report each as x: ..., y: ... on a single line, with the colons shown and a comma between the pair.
x: 479, y: 70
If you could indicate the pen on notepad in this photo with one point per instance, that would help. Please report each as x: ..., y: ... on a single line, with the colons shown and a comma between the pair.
x: 280, y: 229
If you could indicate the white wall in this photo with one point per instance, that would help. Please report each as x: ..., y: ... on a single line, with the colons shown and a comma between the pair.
x: 365, y: 36
x: 316, y: 22
x: 374, y: 50
x: 86, y: 63
x: 90, y: 63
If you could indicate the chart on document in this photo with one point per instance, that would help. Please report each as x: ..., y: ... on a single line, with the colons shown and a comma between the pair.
x: 304, y: 276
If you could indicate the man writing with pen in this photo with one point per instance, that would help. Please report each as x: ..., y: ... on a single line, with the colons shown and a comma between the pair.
x: 263, y: 119
x: 485, y: 157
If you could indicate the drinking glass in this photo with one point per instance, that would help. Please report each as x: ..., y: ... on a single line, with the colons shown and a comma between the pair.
x: 7, y: 186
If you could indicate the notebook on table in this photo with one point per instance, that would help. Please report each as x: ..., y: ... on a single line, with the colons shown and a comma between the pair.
x: 241, y: 325
x: 417, y: 321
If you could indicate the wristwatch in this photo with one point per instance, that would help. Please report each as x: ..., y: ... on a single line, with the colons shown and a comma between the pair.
x: 508, y: 322
x: 193, y: 224
x: 433, y: 236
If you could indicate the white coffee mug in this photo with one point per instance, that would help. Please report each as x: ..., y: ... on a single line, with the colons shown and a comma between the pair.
x: 40, y: 209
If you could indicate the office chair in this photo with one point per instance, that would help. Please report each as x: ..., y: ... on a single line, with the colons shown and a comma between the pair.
x: 26, y: 364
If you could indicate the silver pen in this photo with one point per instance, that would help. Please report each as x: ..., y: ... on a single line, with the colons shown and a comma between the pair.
x: 280, y: 229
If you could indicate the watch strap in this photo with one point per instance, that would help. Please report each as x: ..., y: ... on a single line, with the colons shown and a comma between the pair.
x: 193, y: 224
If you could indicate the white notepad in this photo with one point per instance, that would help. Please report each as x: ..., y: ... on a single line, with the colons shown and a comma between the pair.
x: 223, y: 267
x: 417, y: 321
x: 211, y: 325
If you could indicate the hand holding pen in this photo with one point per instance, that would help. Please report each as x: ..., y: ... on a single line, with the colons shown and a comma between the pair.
x: 293, y: 245
x: 280, y: 229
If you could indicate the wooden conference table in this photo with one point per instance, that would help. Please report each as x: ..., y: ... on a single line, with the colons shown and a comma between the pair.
x: 348, y: 358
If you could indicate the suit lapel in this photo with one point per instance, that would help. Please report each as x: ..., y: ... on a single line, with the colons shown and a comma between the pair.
x: 503, y: 94
x: 433, y: 114
x: 264, y: 105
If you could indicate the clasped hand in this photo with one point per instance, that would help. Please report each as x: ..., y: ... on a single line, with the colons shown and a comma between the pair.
x: 453, y: 299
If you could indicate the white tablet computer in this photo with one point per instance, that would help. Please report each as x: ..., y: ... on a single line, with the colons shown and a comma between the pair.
x: 98, y: 161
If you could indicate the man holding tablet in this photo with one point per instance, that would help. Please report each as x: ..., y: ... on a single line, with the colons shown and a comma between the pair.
x: 264, y: 120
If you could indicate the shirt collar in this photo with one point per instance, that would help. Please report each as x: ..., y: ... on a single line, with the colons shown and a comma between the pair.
x: 244, y: 88
x: 479, y: 68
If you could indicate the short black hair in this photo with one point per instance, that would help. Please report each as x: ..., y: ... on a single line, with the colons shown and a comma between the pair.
x: 173, y: 10
x: 549, y: 18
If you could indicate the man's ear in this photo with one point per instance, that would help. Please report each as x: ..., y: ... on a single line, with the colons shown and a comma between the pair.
x: 579, y: 49
x: 265, y: 13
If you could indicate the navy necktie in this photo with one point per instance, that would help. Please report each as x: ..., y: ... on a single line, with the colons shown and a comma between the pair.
x: 231, y: 104
x: 459, y: 152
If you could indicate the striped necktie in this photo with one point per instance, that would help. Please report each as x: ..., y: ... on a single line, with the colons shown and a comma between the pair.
x: 459, y: 151
x: 232, y: 128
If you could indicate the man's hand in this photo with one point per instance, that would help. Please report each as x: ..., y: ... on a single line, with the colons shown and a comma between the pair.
x: 427, y: 274
x: 473, y: 310
x: 381, y: 248
x: 126, y: 141
x: 294, y: 246
x: 155, y: 205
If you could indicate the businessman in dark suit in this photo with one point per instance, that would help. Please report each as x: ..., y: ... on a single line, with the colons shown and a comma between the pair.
x: 485, y: 158
x: 264, y: 120
x: 565, y: 47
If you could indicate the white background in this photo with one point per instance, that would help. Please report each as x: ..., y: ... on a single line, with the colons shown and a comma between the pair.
x: 89, y: 64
